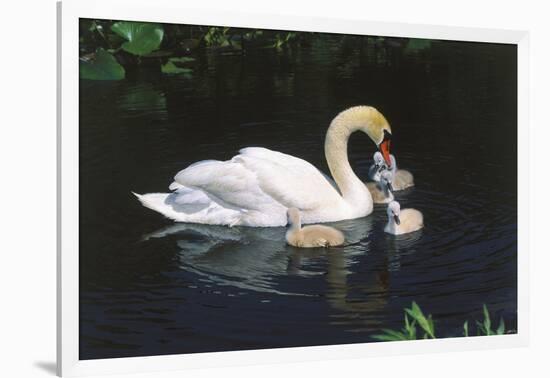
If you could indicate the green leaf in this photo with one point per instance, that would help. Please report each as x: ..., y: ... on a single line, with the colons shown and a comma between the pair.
x: 410, y: 328
x: 426, y: 324
x: 501, y: 329
x: 103, y: 66
x: 171, y: 69
x: 384, y: 338
x: 141, y: 37
x: 486, y: 320
x: 466, y: 328
x: 480, y: 329
x: 217, y: 37
x: 431, y: 325
x: 390, y: 335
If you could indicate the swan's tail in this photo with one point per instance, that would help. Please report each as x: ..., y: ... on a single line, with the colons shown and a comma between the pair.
x: 157, y: 202
x: 189, y: 206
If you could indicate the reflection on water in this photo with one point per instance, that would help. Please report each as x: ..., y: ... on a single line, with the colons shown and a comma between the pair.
x: 149, y: 286
x: 260, y: 254
x: 142, y: 99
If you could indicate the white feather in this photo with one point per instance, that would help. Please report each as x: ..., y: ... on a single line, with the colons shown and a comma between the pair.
x: 256, y: 187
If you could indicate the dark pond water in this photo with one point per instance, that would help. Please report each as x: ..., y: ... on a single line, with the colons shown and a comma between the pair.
x: 149, y: 286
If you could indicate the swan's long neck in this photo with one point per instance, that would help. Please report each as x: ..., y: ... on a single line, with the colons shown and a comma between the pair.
x: 296, y: 224
x: 391, y: 225
x: 352, y: 188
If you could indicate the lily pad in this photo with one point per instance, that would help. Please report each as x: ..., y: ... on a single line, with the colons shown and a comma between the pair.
x: 141, y: 38
x: 171, y: 68
x: 103, y: 66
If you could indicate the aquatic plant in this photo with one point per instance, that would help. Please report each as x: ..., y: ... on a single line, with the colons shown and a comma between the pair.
x: 217, y: 37
x: 427, y: 327
x: 282, y: 39
x: 174, y: 66
x: 484, y: 328
x: 100, y: 66
x: 409, y: 331
x: 141, y: 38
x: 109, y: 49
x: 111, y: 40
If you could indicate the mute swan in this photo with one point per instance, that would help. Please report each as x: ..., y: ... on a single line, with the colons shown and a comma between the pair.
x: 310, y: 236
x: 256, y: 187
x: 381, y: 191
x: 402, y: 221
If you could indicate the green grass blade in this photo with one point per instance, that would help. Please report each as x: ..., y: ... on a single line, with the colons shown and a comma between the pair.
x: 486, y: 320
x: 501, y: 329
x: 390, y: 335
x: 427, y: 325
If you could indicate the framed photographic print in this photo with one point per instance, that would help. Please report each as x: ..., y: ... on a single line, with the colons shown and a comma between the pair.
x: 239, y: 188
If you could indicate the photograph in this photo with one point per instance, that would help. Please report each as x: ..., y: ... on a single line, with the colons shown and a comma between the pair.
x: 246, y: 188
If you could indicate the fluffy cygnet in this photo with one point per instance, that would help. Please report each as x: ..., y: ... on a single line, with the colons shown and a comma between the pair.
x: 402, y: 179
x: 381, y: 191
x: 403, y: 221
x: 377, y: 167
x: 310, y: 236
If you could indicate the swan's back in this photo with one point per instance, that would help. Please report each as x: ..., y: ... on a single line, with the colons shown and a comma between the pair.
x: 402, y: 179
x: 411, y: 220
x: 378, y: 195
x: 254, y: 188
x: 258, y: 177
x: 289, y: 180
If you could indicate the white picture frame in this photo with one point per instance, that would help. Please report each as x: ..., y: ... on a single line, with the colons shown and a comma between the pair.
x: 69, y: 12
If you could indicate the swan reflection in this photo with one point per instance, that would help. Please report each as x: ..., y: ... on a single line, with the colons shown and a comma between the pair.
x: 259, y: 260
x: 253, y: 258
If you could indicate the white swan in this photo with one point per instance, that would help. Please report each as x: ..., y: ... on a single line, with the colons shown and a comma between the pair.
x: 256, y: 187
x: 311, y: 236
x: 403, y: 221
x: 381, y: 191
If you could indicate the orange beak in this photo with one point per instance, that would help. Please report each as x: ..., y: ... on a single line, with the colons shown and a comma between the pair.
x: 384, y: 148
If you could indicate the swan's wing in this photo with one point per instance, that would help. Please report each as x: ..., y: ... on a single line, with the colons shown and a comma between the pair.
x: 226, y: 182
x: 291, y: 181
x: 258, y: 178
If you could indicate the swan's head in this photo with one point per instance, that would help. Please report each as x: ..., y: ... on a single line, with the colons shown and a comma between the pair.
x: 394, y: 209
x: 386, y: 178
x: 293, y: 216
x: 378, y: 129
x: 371, y: 122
